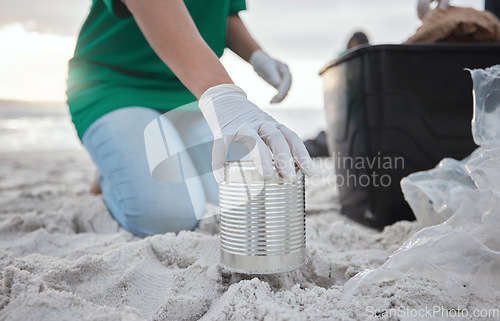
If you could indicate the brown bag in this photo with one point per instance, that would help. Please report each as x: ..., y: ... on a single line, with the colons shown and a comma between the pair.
x: 458, y: 24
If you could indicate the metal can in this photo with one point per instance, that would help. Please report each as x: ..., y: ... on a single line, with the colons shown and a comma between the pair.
x: 262, y: 224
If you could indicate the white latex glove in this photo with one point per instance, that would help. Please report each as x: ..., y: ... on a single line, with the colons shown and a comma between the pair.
x: 424, y: 6
x: 233, y: 118
x: 274, y: 72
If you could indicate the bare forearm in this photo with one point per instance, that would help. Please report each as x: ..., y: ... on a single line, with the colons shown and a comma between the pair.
x: 172, y: 34
x: 238, y: 39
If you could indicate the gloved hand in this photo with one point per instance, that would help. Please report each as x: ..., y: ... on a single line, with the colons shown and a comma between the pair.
x: 274, y: 72
x: 233, y: 118
x: 424, y: 6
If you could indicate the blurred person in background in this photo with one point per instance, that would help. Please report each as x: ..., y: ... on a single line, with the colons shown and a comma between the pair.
x: 135, y: 60
x: 358, y: 38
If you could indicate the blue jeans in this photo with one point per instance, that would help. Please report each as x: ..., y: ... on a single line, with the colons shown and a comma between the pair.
x: 141, y: 204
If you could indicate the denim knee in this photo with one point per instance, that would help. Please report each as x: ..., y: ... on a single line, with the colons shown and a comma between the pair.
x: 139, y: 203
x: 148, y: 216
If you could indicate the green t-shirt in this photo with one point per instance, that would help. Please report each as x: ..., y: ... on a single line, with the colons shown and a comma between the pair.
x: 114, y: 66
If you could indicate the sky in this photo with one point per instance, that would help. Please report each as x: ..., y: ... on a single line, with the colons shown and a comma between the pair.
x: 38, y: 39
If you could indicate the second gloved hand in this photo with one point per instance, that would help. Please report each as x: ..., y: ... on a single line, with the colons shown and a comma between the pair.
x: 233, y: 118
x: 274, y: 72
x: 424, y: 6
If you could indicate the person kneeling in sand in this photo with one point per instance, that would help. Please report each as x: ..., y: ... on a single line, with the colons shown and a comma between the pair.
x: 135, y: 60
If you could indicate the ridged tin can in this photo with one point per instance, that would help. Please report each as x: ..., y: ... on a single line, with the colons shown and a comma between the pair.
x: 262, y: 224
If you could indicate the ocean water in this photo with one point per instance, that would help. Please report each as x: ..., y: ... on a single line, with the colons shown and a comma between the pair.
x: 30, y: 126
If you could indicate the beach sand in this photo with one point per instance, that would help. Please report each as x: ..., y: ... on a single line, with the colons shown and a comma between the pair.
x: 63, y: 257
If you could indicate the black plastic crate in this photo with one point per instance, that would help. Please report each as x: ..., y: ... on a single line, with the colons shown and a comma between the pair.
x: 409, y: 104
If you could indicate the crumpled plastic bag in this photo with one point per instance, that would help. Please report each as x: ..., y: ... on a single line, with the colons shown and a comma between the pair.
x: 486, y: 118
x: 434, y: 195
x: 458, y: 204
x: 483, y: 167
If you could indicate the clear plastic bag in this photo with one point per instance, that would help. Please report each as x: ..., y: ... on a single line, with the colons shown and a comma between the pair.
x: 486, y: 118
x: 483, y: 167
x: 459, y: 202
x: 434, y: 195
